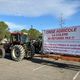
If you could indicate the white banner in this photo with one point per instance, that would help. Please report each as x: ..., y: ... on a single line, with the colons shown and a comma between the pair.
x: 64, y: 40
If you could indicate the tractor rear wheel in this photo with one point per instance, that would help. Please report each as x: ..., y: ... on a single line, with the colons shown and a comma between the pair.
x: 17, y: 53
x: 2, y: 52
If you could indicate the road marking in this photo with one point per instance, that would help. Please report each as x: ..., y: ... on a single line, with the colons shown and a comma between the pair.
x: 39, y: 68
x: 74, y: 78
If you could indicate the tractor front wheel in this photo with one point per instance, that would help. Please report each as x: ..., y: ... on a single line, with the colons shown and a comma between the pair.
x: 30, y: 54
x: 17, y: 53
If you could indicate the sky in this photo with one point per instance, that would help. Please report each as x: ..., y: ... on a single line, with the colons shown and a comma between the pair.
x: 42, y: 14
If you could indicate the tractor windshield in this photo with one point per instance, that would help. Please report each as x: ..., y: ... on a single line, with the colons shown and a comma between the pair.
x: 25, y: 39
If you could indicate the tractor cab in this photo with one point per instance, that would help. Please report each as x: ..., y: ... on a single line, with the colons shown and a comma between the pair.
x: 18, y: 38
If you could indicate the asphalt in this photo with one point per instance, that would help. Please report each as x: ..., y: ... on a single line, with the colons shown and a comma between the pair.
x: 39, y: 69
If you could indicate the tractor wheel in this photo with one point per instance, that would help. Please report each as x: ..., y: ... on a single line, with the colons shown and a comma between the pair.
x: 17, y: 53
x: 2, y: 52
x: 30, y: 54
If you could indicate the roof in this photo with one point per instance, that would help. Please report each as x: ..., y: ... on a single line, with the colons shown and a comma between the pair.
x: 21, y: 33
x: 14, y: 33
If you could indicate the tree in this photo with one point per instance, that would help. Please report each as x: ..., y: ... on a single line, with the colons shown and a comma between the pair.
x: 33, y: 34
x: 4, y: 30
x: 24, y: 30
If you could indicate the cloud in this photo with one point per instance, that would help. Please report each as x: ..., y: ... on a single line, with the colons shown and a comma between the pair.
x: 34, y: 8
x: 15, y: 27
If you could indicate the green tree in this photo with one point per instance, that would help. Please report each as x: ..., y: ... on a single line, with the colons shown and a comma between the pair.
x: 24, y: 30
x: 33, y: 33
x: 4, y: 30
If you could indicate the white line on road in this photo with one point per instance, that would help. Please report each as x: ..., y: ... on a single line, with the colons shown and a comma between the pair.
x: 74, y: 78
x: 39, y: 68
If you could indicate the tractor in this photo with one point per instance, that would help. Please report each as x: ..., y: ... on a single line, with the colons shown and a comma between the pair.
x: 19, y: 46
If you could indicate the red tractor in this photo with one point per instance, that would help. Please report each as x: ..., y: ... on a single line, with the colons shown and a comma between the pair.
x: 19, y: 46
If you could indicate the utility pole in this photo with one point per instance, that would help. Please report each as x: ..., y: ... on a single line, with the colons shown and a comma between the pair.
x: 31, y: 26
x: 61, y: 21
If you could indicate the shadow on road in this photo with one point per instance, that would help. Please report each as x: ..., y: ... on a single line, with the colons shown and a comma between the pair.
x: 53, y: 63
x: 57, y: 64
x: 8, y: 56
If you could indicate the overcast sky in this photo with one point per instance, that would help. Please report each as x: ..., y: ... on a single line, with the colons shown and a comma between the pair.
x: 42, y: 14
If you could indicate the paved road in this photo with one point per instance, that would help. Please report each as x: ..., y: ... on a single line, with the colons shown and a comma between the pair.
x: 38, y: 69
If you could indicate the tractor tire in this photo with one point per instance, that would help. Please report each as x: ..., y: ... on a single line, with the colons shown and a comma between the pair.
x: 17, y: 53
x: 30, y: 54
x: 2, y: 52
